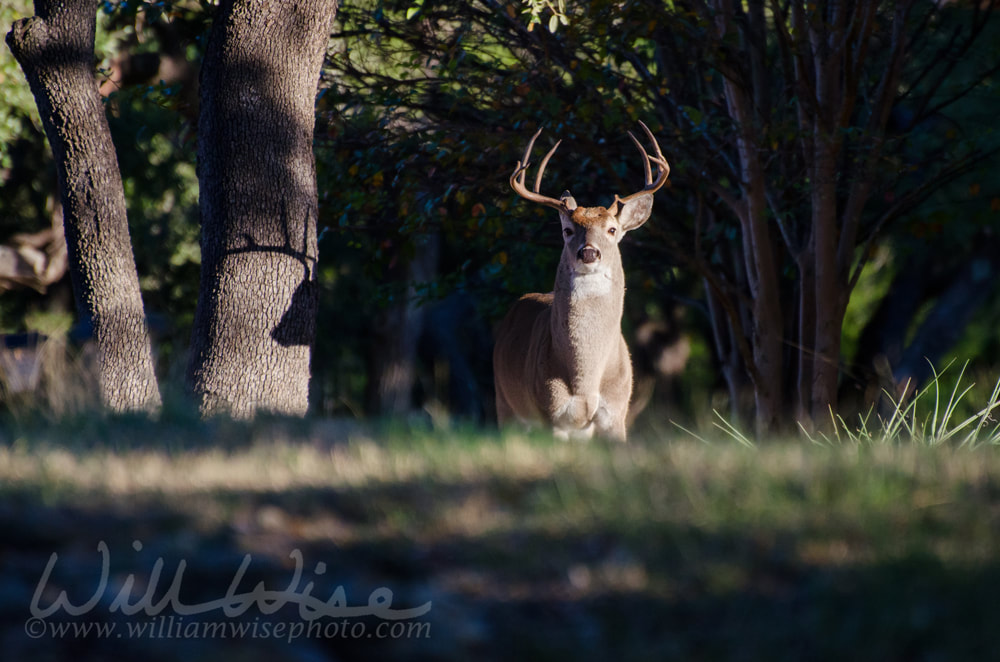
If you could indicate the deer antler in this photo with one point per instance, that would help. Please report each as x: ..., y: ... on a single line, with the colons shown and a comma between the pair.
x: 662, y: 167
x: 517, y: 177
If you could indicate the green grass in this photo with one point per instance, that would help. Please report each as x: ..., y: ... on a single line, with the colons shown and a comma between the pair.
x: 665, y: 548
x: 940, y: 412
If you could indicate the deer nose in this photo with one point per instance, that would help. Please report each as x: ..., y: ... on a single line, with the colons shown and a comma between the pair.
x: 588, y: 254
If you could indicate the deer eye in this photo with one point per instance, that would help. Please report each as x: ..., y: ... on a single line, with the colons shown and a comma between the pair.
x: 612, y: 231
x: 568, y: 232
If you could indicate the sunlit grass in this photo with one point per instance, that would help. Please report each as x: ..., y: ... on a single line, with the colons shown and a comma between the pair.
x: 468, y: 483
x: 929, y: 416
x: 677, y: 545
x: 607, y: 537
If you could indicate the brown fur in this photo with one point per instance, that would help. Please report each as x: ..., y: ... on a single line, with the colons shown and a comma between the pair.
x: 560, y: 357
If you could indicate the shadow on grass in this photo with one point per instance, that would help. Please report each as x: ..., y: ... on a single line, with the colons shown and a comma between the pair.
x: 508, y: 578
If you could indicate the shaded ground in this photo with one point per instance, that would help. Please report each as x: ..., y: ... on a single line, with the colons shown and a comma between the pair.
x: 524, y: 548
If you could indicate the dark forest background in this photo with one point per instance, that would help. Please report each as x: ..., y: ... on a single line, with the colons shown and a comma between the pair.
x: 422, y: 111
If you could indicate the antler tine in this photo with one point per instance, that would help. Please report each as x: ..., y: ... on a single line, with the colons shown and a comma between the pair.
x: 518, y: 176
x: 545, y: 162
x: 527, y: 151
x: 660, y: 160
x: 523, y: 164
x: 645, y: 158
x: 662, y: 167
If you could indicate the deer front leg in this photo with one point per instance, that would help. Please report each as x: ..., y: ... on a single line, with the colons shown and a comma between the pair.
x: 616, y: 392
x: 609, y: 421
x: 571, y: 415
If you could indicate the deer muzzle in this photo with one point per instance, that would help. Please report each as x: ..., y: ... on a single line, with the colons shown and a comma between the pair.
x: 588, y: 254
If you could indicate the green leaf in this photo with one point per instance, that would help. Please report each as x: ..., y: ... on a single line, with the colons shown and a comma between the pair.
x: 693, y: 114
x: 414, y: 9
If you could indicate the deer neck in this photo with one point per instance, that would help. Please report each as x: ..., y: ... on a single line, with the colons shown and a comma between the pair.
x: 586, y: 317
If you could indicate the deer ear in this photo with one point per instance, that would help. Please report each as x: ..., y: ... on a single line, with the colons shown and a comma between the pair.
x: 569, y: 204
x: 634, y: 212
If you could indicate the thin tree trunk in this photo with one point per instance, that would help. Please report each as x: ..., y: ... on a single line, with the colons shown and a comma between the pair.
x: 768, y: 328
x: 396, y: 331
x: 56, y: 50
x: 806, y: 332
x: 255, y: 322
x: 767, y: 323
x: 734, y: 372
x: 767, y: 332
x: 829, y: 310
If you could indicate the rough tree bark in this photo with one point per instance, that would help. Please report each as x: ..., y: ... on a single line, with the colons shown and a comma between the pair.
x: 255, y: 320
x: 55, y: 48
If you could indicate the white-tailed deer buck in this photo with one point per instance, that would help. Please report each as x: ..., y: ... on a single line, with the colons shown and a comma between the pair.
x: 560, y: 357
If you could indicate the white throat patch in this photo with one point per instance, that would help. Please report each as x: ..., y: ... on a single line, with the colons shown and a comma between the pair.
x: 585, y: 286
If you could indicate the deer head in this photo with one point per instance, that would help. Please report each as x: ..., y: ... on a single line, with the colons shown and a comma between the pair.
x: 591, y: 234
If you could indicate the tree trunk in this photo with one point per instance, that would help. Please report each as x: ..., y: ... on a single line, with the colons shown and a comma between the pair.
x: 759, y: 250
x: 256, y: 315
x: 56, y: 50
x: 806, y: 330
x: 767, y: 322
x: 396, y: 332
x: 734, y: 371
x: 829, y: 288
